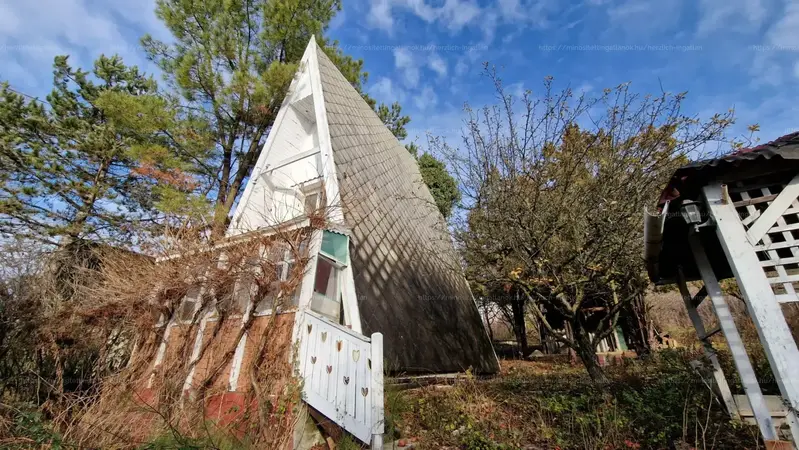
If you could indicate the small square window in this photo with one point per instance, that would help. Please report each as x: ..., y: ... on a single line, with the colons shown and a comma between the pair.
x: 244, y: 290
x: 326, y: 299
x: 265, y: 304
x: 189, y: 304
x: 311, y: 203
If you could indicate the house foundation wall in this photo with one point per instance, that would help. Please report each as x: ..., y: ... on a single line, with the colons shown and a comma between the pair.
x: 264, y: 368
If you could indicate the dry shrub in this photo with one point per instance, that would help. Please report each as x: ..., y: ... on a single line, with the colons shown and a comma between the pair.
x: 124, y: 306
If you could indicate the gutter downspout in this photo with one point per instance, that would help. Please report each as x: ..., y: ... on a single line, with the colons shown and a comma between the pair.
x: 653, y: 240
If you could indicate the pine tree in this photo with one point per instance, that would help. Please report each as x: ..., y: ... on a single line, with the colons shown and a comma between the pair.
x: 68, y: 170
x: 441, y: 184
x: 230, y: 64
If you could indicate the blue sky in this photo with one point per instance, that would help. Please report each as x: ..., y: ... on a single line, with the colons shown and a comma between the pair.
x: 428, y: 54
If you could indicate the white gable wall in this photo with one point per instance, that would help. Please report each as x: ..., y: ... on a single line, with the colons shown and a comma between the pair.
x: 295, y: 135
x: 291, y: 158
x: 297, y: 155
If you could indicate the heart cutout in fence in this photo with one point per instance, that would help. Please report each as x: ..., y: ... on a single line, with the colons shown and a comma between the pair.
x: 329, y: 369
x: 324, y: 336
x: 338, y: 345
x: 365, y: 391
x: 356, y: 355
x: 313, y: 359
x: 369, y: 363
x: 346, y: 380
x: 310, y: 327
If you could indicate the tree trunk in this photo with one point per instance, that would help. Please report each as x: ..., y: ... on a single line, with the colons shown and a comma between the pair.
x: 519, y: 325
x: 587, y: 354
x: 488, y: 322
x: 640, y: 327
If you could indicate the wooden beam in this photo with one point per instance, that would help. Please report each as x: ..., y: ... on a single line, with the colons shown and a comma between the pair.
x: 764, y: 309
x: 711, y: 334
x: 292, y: 159
x: 775, y: 210
x: 710, y: 352
x: 755, y: 201
x: 787, y: 298
x: 378, y: 411
x: 699, y: 297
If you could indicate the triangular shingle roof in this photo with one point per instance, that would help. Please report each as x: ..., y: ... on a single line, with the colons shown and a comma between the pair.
x: 407, y: 276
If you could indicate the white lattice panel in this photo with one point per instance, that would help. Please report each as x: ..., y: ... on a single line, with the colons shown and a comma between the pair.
x: 778, y: 248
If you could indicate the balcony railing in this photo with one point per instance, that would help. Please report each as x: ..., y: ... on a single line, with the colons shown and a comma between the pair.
x: 342, y: 374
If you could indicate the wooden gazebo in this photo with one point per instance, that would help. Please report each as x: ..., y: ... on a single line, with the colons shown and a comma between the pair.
x: 737, y: 216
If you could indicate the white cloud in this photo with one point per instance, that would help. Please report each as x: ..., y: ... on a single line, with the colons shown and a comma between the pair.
x: 731, y: 15
x: 385, y: 91
x: 427, y: 99
x: 438, y: 64
x: 9, y: 22
x: 380, y: 15
x: 772, y: 62
x: 457, y: 14
x: 645, y: 17
x: 461, y: 67
x: 488, y: 25
x: 338, y: 20
x: 35, y: 32
x: 510, y: 8
x: 407, y: 65
x: 584, y: 88
x: 785, y: 33
x: 515, y: 89
x: 446, y: 122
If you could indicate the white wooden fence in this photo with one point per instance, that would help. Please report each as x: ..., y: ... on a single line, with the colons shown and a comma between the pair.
x: 342, y: 374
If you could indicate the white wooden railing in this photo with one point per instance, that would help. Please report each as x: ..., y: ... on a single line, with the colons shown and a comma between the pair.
x: 342, y: 374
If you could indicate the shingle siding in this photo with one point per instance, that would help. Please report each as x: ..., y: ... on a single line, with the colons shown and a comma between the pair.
x: 408, y: 280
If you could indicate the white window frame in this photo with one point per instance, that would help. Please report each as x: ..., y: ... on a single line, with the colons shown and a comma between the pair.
x: 283, y: 264
x: 313, y: 187
x: 338, y: 290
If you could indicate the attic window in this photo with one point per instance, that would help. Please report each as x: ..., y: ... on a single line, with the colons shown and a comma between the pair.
x: 311, y: 203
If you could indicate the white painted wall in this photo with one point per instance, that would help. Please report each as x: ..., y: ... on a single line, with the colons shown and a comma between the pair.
x: 272, y: 196
x: 295, y: 135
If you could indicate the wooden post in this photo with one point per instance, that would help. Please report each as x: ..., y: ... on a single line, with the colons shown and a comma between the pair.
x: 739, y: 356
x: 378, y: 406
x: 761, y: 302
x: 696, y: 320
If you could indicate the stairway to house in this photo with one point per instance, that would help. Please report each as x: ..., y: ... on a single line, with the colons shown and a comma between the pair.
x: 778, y: 409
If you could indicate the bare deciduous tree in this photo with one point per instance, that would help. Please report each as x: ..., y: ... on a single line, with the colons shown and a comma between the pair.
x: 554, y: 187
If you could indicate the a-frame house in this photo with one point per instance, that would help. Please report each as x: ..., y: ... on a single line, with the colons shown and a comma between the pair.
x: 328, y: 149
x: 382, y: 290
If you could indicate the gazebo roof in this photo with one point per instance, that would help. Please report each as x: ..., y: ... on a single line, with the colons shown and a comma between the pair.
x: 765, y: 161
x: 688, y: 179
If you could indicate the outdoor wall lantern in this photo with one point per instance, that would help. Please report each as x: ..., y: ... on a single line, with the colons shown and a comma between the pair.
x: 691, y: 213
